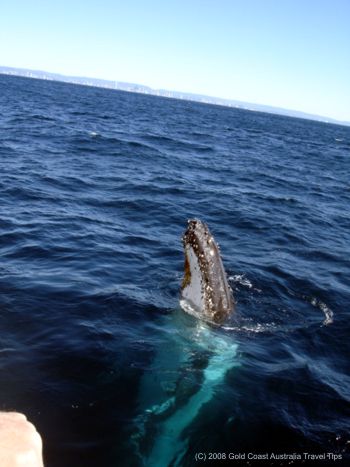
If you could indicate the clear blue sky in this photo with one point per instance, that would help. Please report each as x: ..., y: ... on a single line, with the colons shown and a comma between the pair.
x: 287, y: 53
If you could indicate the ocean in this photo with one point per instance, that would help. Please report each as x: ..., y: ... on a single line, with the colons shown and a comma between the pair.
x: 96, y: 190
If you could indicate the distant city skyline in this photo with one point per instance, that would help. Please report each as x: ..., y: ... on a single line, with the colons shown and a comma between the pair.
x: 292, y: 54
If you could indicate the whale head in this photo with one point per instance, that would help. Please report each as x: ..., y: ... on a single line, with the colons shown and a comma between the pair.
x: 205, y: 292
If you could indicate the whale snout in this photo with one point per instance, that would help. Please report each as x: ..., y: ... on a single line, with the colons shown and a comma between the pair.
x: 205, y: 291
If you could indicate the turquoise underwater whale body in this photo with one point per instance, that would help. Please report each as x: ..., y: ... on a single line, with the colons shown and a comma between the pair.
x: 193, y: 355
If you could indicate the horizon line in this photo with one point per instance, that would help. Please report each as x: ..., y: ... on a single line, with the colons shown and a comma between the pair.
x: 172, y: 94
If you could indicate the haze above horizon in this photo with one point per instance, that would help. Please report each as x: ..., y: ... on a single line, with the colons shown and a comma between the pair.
x: 290, y: 54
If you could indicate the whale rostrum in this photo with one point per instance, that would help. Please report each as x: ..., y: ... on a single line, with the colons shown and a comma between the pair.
x: 205, y: 291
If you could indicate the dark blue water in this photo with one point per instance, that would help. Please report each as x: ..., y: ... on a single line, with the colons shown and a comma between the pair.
x: 96, y: 188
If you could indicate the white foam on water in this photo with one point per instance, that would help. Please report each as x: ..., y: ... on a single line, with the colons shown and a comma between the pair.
x: 256, y: 328
x: 241, y: 279
x: 328, y: 313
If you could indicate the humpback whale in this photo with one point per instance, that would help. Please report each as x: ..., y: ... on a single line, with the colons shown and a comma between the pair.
x: 192, y: 356
x: 205, y: 291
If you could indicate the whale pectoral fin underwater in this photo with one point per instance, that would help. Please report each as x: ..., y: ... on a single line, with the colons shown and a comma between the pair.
x: 205, y: 291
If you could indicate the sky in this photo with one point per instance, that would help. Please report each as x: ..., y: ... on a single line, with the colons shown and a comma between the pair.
x: 293, y: 54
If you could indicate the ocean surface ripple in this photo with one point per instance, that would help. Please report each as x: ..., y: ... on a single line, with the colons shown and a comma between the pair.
x: 96, y: 188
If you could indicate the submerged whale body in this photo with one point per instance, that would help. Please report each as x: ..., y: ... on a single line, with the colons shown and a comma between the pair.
x: 175, y: 389
x: 205, y: 292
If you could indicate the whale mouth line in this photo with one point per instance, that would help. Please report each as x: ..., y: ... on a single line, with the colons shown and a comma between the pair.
x: 205, y: 292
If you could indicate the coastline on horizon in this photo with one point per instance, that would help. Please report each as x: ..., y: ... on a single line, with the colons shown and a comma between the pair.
x: 142, y: 89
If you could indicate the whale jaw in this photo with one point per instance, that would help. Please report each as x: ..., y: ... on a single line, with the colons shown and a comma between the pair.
x: 205, y: 291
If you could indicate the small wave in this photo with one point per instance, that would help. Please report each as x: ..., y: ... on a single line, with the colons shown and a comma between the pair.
x: 7, y: 349
x: 256, y: 328
x: 242, y: 280
x: 328, y: 313
x: 44, y: 118
x: 178, y: 143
